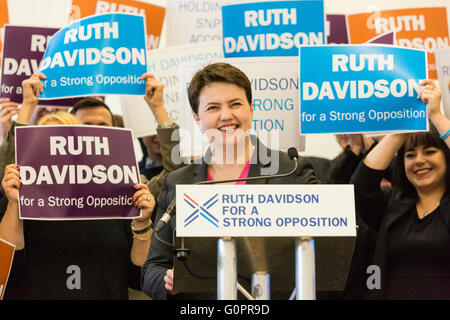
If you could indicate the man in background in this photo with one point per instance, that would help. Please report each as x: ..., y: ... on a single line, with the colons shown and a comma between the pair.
x: 151, y: 163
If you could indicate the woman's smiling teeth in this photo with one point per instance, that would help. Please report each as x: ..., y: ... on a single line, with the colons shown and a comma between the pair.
x: 230, y: 127
x: 422, y: 171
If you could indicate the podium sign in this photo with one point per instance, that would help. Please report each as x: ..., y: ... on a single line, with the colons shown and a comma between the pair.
x: 265, y: 211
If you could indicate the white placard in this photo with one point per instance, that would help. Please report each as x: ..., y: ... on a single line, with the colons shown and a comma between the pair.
x: 201, y: 21
x: 137, y: 116
x: 165, y: 66
x: 443, y: 71
x: 265, y: 211
x: 192, y: 141
x: 275, y: 93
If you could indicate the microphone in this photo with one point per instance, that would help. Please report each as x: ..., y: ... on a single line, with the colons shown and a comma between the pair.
x: 166, y: 216
x: 293, y: 155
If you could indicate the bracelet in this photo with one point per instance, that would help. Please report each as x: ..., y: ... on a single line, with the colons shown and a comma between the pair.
x: 445, y: 135
x: 146, y: 229
x: 142, y: 237
x: 166, y: 124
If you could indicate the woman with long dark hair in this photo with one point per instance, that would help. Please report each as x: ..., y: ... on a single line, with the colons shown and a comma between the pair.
x: 412, y: 221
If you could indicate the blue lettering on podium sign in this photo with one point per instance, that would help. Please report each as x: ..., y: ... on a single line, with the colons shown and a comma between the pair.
x: 101, y: 54
x: 361, y: 88
x: 275, y: 28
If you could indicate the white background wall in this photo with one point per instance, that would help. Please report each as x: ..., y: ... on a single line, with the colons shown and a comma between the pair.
x: 54, y: 13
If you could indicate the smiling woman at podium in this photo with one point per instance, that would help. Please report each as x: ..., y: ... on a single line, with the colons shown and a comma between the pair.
x: 221, y: 100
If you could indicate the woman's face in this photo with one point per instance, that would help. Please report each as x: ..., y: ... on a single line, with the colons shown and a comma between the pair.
x: 224, y: 112
x: 425, y: 167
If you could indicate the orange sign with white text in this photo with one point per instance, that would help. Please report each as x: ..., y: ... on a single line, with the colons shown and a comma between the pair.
x: 6, y: 258
x: 419, y: 28
x: 4, y: 19
x: 154, y: 15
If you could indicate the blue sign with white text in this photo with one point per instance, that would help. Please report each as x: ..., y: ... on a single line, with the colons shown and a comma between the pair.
x: 361, y: 88
x: 101, y: 54
x: 275, y: 28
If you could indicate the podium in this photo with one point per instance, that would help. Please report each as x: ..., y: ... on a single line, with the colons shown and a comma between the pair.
x: 332, y: 258
x: 279, y: 258
x: 274, y: 256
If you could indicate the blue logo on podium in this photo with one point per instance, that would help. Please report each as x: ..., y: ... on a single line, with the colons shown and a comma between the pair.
x: 201, y: 210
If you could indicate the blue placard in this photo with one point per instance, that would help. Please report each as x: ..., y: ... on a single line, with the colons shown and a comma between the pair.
x: 101, y: 54
x: 361, y: 88
x: 276, y: 28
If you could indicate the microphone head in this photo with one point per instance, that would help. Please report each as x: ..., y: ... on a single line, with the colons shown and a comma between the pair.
x: 292, y: 153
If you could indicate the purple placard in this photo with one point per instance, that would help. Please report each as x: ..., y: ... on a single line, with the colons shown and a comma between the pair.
x: 23, y: 49
x: 76, y: 172
x: 386, y: 38
x: 337, y: 29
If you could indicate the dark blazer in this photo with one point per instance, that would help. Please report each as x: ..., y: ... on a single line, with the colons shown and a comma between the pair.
x: 160, y: 257
x: 380, y: 210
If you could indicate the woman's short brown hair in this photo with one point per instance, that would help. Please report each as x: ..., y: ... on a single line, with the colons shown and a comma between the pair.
x: 217, y: 72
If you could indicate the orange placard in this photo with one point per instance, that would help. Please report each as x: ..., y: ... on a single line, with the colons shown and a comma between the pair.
x: 154, y: 15
x: 4, y: 19
x: 420, y: 28
x: 6, y: 257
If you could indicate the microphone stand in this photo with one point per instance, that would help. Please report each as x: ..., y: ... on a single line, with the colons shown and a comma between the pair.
x: 254, y: 178
x: 226, y: 269
x: 305, y: 269
x: 172, y: 206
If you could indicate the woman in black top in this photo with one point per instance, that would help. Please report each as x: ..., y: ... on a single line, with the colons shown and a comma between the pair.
x: 220, y: 96
x: 412, y: 251
x: 86, y: 259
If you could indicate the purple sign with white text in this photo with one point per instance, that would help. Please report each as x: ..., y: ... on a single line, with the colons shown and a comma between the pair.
x: 337, y: 25
x: 23, y: 49
x: 76, y: 172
